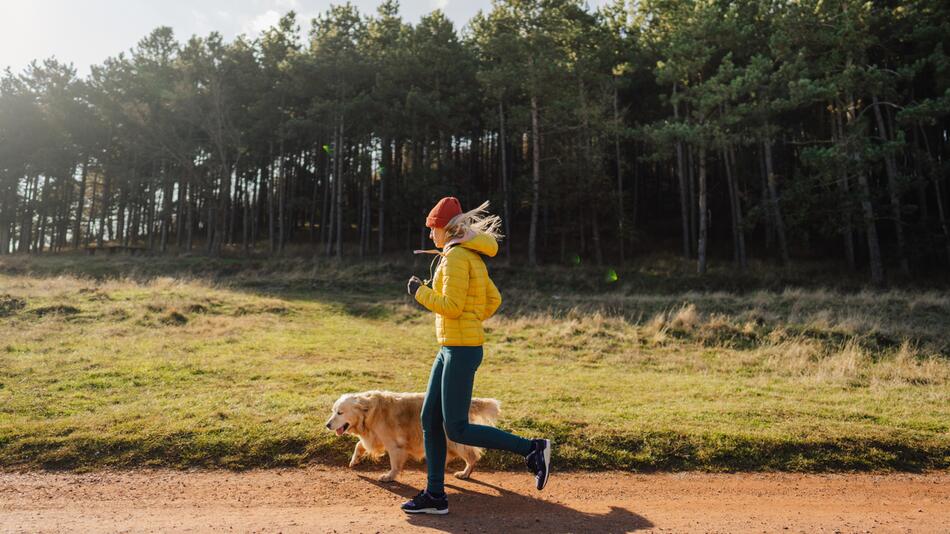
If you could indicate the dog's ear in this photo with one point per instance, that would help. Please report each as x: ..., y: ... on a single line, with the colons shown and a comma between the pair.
x: 362, y: 403
x: 363, y: 406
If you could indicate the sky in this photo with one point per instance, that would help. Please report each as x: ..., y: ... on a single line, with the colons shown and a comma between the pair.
x: 86, y: 32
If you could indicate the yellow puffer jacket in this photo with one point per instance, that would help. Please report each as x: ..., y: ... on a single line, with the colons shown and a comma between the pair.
x: 462, y: 295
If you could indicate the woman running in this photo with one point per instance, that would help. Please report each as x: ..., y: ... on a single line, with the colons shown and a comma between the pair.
x: 462, y: 296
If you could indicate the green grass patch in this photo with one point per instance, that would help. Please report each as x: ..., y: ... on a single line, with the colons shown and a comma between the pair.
x: 238, y: 367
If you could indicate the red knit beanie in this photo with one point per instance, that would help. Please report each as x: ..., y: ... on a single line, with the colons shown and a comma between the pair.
x: 443, y: 212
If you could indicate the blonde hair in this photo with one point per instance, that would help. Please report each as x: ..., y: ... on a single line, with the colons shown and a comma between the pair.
x: 477, y: 220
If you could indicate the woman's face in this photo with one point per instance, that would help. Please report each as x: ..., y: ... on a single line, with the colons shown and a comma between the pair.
x: 438, y: 236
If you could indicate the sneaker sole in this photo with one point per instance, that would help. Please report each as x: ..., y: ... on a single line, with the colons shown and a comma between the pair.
x: 547, y: 464
x: 433, y: 511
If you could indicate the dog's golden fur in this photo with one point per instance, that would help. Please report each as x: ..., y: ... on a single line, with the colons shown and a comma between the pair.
x: 388, y: 422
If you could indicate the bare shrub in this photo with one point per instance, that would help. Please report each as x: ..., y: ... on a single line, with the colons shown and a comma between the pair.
x: 685, y: 319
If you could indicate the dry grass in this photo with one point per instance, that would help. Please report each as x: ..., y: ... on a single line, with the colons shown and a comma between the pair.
x: 240, y: 371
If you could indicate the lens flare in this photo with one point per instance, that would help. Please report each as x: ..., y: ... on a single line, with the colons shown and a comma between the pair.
x: 576, y: 260
x: 611, y: 276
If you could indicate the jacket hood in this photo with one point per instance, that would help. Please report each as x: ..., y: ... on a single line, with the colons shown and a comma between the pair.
x: 483, y: 244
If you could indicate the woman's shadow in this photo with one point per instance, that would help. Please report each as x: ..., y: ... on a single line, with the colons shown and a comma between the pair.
x: 506, y: 511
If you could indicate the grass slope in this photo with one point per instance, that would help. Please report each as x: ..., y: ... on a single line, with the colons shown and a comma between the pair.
x: 236, y: 364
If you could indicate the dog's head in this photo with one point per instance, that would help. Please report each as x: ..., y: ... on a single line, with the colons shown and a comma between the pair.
x: 348, y: 413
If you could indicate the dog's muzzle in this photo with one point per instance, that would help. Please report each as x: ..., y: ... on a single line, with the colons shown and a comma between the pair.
x: 341, y: 430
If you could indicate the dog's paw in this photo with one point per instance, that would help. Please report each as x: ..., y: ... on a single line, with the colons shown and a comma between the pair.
x: 354, y: 463
x: 462, y: 475
x: 388, y: 477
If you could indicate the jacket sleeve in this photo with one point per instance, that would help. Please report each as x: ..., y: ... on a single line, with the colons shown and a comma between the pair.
x: 492, y: 299
x: 450, y: 300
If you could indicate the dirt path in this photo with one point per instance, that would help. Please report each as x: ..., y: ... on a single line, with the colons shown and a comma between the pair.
x: 326, y: 499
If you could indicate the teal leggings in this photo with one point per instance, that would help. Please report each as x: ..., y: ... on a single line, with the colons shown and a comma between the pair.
x: 447, y: 402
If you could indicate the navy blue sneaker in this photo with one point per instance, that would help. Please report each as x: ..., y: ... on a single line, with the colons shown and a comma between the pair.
x: 539, y: 461
x: 425, y: 503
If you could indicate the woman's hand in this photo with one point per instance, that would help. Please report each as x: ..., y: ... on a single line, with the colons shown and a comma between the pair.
x: 413, y: 285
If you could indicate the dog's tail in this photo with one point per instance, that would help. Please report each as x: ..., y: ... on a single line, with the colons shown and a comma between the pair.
x: 484, y: 411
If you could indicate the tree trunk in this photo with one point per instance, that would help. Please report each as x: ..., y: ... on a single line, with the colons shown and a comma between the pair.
x: 325, y: 211
x: 935, y: 178
x: 222, y: 215
x: 211, y: 222
x: 333, y: 184
x: 41, y: 214
x: 767, y: 221
x: 77, y: 225
x: 313, y: 198
x: 535, y: 183
x: 246, y: 218
x: 681, y: 175
x: 361, y: 191
x: 845, y: 188
x: 7, y: 217
x: 25, y: 243
x: 281, y: 201
x: 732, y: 204
x: 588, y: 166
x: 620, y: 207
x: 893, y: 189
x: 367, y: 176
x: 121, y: 216
x: 65, y: 211
x: 92, y: 212
x: 383, y: 172
x: 190, y: 212
x: 104, y: 210
x: 339, y: 192
x: 502, y: 142
x: 874, y: 247
x: 691, y: 189
x: 703, y: 217
x: 179, y: 214
x: 234, y: 204
x: 728, y: 156
x: 773, y: 203
x: 166, y: 208
x: 256, y: 207
x: 269, y: 187
x: 150, y: 215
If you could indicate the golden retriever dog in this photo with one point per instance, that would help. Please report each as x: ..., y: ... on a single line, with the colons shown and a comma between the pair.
x: 391, y: 423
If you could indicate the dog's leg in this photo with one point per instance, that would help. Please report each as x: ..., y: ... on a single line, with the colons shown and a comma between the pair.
x: 397, y: 458
x: 358, y: 453
x: 469, y: 456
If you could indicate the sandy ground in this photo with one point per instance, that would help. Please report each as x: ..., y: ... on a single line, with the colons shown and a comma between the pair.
x: 329, y: 499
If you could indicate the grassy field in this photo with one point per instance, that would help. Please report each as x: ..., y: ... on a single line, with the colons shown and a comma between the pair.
x: 198, y: 362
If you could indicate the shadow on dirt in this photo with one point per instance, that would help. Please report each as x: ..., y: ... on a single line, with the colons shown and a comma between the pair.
x: 495, y: 509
